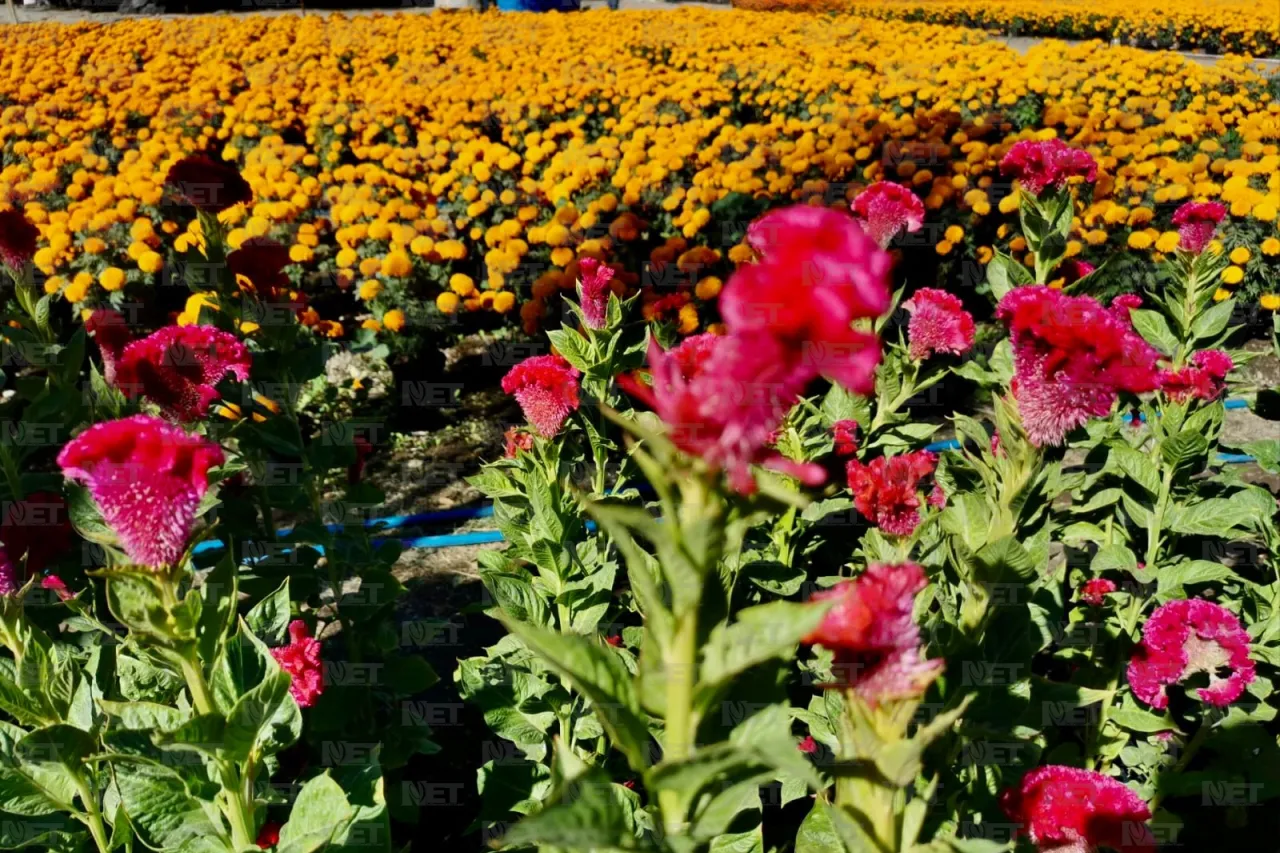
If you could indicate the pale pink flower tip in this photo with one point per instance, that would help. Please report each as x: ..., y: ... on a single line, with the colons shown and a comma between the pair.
x: 301, y: 659
x: 1070, y: 810
x: 886, y: 210
x: 594, y: 290
x: 546, y: 387
x: 1189, y: 636
x: 147, y: 477
x: 939, y: 324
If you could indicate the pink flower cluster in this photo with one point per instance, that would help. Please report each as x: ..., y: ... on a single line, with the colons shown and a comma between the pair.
x: 886, y: 210
x: 844, y: 436
x: 546, y: 387
x: 594, y: 289
x: 1070, y: 810
x: 887, y: 490
x: 17, y: 239
x: 873, y: 635
x: 147, y: 477
x: 1196, y: 222
x: 1205, y: 378
x: 301, y: 659
x: 938, y: 324
x: 1072, y: 357
x: 1048, y: 164
x: 1189, y: 636
x: 1095, y: 591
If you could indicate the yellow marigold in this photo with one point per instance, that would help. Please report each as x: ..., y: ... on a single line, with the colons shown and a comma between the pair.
x: 708, y: 288
x: 1140, y: 240
x: 944, y: 247
x: 688, y: 320
x: 1017, y: 244
x: 422, y: 245
x: 954, y: 234
x: 397, y: 264
x: 95, y: 246
x: 111, y: 279
x: 369, y: 289
x: 372, y: 325
x: 1168, y: 241
x: 394, y: 320
x: 54, y: 283
x: 504, y: 302
x: 1240, y: 255
x: 78, y: 289
x: 1233, y: 275
x: 741, y: 253
x: 1221, y: 295
x: 452, y: 250
x: 1270, y: 301
x: 985, y: 254
x: 370, y: 266
x: 561, y: 256
x: 151, y: 262
x: 346, y: 258
x: 461, y: 284
x: 1265, y: 212
x: 556, y: 234
x: 1271, y: 247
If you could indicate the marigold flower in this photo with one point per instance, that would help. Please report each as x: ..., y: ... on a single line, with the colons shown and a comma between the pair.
x: 177, y: 368
x: 394, y: 320
x: 17, y: 239
x: 1189, y: 636
x: 886, y: 491
x: 301, y: 660
x: 1203, y: 379
x: 845, y: 435
x: 872, y: 633
x: 594, y: 279
x: 546, y: 387
x: 1196, y: 222
x: 886, y: 210
x: 208, y: 184
x: 939, y: 324
x: 1095, y: 590
x: 1070, y: 810
x: 517, y: 439
x: 1041, y: 165
x: 147, y: 477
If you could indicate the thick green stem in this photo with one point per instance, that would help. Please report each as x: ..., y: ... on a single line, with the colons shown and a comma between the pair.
x: 93, y: 814
x: 238, y: 810
x: 678, y: 736
x: 1122, y: 655
x: 1157, y: 519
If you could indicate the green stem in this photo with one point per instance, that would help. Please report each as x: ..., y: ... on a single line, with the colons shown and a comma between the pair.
x: 678, y: 736
x: 1157, y: 519
x: 1113, y: 685
x: 1188, y: 752
x: 93, y: 815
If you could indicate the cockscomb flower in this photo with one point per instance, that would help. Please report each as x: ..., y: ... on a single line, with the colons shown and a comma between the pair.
x: 1196, y: 221
x: 111, y: 333
x: 1074, y: 269
x: 147, y: 477
x: 938, y: 324
x: 871, y: 631
x: 546, y: 387
x: 517, y: 439
x: 818, y: 272
x: 301, y: 659
x: 1123, y: 304
x: 17, y: 239
x: 845, y: 437
x: 1048, y: 164
x: 807, y: 745
x: 593, y: 290
x: 1186, y: 637
x: 886, y: 491
x: 1095, y: 590
x: 721, y: 399
x: 1070, y: 810
x: 269, y: 835
x: 886, y: 210
x: 177, y: 368
x: 1205, y: 378
x: 208, y: 184
x: 57, y: 586
x: 1072, y: 357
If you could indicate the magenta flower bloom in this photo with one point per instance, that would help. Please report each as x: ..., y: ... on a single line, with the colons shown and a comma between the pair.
x: 177, y: 367
x: 17, y: 239
x: 1095, y: 591
x: 818, y: 272
x: 1070, y: 810
x: 1072, y: 357
x: 546, y: 387
x: 938, y: 324
x: 1040, y: 165
x: 593, y: 289
x: 722, y: 398
x: 1189, y: 636
x: 873, y: 635
x: 1124, y: 303
x: 886, y: 210
x: 111, y: 334
x: 845, y: 435
x: 147, y: 477
x: 1205, y: 378
x: 301, y: 659
x: 1196, y: 221
x: 886, y: 491
x: 1074, y: 269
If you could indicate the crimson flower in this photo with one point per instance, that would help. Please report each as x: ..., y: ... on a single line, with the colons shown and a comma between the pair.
x: 111, y: 333
x: 1038, y: 165
x: 269, y: 835
x: 845, y: 434
x: 1203, y: 379
x: 258, y: 266
x: 147, y: 477
x: 1070, y: 810
x: 1095, y: 591
x: 546, y: 387
x: 721, y: 399
x: 887, y: 490
x: 208, y: 184
x: 1072, y: 357
x: 818, y: 272
x: 1074, y: 269
x: 17, y: 239
x: 594, y: 290
x: 1189, y: 636
x: 886, y: 210
x: 1196, y: 221
x: 301, y: 659
x: 517, y: 439
x: 808, y: 745
x: 873, y: 635
x: 355, y: 471
x: 177, y: 367
x: 938, y: 324
x: 59, y: 587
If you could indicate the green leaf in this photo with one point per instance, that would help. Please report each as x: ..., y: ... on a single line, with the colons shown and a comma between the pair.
x: 1154, y: 329
x: 244, y: 664
x: 967, y: 518
x: 1139, y: 467
x: 1184, y: 449
x: 1175, y: 577
x: 1267, y: 454
x: 516, y: 596
x: 269, y: 618
x: 218, y: 607
x: 816, y: 833
x: 318, y: 817
x: 158, y: 805
x: 1004, y: 274
x: 251, y: 721
x: 136, y: 599
x: 1004, y: 560
x: 588, y: 812
x: 1212, y: 517
x: 761, y: 633
x: 1213, y: 320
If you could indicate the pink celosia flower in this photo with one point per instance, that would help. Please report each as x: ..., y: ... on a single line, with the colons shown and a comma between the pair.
x: 1072, y: 357
x: 58, y: 586
x: 887, y: 491
x: 1074, y: 269
x: 1196, y: 221
x: 937, y: 496
x: 938, y: 324
x: 546, y: 387
x: 1070, y: 810
x: 9, y: 583
x: 110, y: 332
x: 1095, y: 591
x: 269, y: 835
x: 818, y: 272
x: 517, y: 439
x: 886, y: 210
x: 614, y: 640
x: 1189, y: 636
x: 808, y: 745
x: 1124, y: 303
x: 593, y: 288
x: 721, y: 399
x: 301, y: 659
x: 17, y: 239
x: 1203, y: 379
x: 845, y: 435
x: 871, y: 631
x: 177, y: 367
x: 147, y: 477
x: 1038, y: 165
